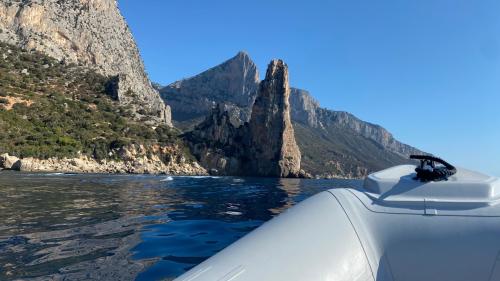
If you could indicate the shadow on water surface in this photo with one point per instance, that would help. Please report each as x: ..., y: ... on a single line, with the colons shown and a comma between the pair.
x: 126, y: 227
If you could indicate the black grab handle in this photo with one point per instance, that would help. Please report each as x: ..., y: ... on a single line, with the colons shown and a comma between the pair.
x: 427, y: 171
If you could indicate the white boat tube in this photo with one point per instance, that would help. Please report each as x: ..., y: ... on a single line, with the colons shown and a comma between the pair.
x: 395, y: 228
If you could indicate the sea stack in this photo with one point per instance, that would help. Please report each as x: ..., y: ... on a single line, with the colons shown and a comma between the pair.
x: 273, y: 143
x: 265, y: 146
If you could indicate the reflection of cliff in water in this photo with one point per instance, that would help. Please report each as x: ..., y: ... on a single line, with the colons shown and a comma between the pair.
x: 291, y: 187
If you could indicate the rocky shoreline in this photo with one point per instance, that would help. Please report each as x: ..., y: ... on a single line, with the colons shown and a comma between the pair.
x: 143, y: 165
x: 84, y: 164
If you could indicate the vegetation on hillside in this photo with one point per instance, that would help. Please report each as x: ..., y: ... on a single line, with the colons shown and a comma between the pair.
x: 52, y: 109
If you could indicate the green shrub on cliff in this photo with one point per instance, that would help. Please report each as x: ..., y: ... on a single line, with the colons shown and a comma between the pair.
x: 61, y: 110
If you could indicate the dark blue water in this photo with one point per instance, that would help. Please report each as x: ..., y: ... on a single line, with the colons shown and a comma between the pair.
x: 129, y: 227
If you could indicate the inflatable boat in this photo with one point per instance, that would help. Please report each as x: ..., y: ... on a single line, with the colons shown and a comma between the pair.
x: 408, y: 223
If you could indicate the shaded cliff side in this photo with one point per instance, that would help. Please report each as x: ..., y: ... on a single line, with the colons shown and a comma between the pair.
x: 264, y: 146
x: 90, y: 33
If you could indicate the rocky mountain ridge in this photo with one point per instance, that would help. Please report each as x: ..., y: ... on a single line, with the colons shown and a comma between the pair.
x: 306, y: 110
x: 233, y: 83
x: 333, y: 143
x: 90, y: 33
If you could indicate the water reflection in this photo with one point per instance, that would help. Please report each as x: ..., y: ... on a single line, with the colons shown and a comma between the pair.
x: 125, y: 227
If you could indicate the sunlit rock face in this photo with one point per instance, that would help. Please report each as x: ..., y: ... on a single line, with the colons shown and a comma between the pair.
x: 271, y: 131
x: 307, y: 111
x: 304, y: 107
x: 265, y: 146
x: 92, y: 33
x: 233, y: 83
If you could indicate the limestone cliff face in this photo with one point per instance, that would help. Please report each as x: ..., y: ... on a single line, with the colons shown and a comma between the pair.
x: 233, y: 83
x: 271, y: 131
x: 88, y: 32
x: 265, y: 146
x: 303, y: 107
x: 368, y: 130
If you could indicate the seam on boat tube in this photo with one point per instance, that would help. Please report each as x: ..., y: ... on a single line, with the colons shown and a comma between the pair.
x: 357, y: 235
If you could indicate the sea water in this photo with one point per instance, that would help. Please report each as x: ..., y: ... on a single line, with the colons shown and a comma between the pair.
x: 131, y: 227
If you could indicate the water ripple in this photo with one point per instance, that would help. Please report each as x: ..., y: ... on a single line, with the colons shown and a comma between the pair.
x: 126, y: 227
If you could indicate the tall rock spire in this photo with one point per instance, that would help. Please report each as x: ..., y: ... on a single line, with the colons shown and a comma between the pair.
x: 272, y: 135
x: 263, y: 147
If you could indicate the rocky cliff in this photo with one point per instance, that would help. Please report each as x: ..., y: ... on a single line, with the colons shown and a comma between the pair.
x: 218, y: 145
x: 336, y: 143
x: 265, y: 146
x: 233, y: 83
x: 271, y: 131
x: 304, y: 107
x: 91, y: 33
x: 60, y: 117
x: 333, y: 143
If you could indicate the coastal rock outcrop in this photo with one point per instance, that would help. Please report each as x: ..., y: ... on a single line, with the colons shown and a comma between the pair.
x: 133, y: 159
x: 218, y: 145
x: 91, y: 33
x: 264, y: 146
x: 9, y: 162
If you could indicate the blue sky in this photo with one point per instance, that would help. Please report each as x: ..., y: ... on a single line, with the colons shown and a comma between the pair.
x: 427, y: 70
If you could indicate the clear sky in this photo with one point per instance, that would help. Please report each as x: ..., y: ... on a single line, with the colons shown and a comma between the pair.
x: 427, y: 70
